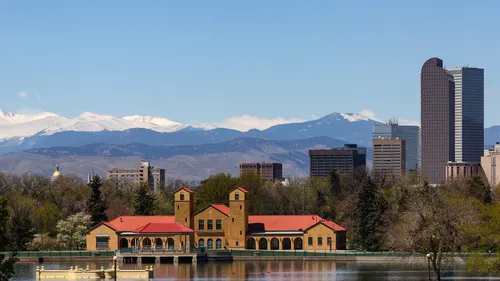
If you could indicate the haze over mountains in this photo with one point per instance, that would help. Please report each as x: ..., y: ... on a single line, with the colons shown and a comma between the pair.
x: 36, y: 143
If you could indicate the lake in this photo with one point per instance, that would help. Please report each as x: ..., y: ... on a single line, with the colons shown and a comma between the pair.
x: 273, y: 270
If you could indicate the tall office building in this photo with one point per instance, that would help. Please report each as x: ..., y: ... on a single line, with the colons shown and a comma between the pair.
x: 411, y: 136
x: 388, y: 159
x: 469, y: 113
x: 154, y: 177
x: 344, y: 160
x: 267, y: 171
x: 437, y: 117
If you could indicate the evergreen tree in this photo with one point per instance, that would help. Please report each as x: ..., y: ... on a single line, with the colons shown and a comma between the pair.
x: 476, y: 188
x: 144, y: 201
x: 6, y: 263
x: 334, y: 179
x: 96, y: 206
x: 369, y: 211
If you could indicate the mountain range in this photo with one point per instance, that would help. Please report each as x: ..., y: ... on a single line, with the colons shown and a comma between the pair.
x: 36, y: 143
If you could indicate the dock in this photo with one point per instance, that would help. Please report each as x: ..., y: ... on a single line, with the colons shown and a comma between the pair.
x: 160, y: 256
x: 81, y: 273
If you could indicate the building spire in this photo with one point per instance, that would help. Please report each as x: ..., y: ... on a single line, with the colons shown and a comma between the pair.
x: 88, y: 178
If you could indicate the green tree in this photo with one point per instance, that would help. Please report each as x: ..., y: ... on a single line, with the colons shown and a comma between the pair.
x: 95, y: 204
x: 478, y: 189
x: 6, y: 263
x: 72, y: 232
x: 46, y: 218
x: 370, y: 208
x: 335, y: 187
x: 215, y: 189
x: 21, y: 226
x: 144, y: 201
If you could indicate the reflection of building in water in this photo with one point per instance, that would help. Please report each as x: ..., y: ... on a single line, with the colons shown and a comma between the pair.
x: 217, y: 226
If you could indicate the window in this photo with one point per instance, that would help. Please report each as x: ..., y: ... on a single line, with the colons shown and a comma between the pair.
x: 210, y: 244
x: 102, y: 242
x: 218, y: 244
x: 320, y: 241
x: 232, y: 219
x: 201, y: 243
x: 186, y: 220
x: 240, y: 207
x: 182, y: 197
x: 329, y: 241
x: 218, y: 224
x: 210, y: 225
x: 310, y: 241
x: 201, y: 224
x: 177, y: 207
x: 236, y: 243
x: 241, y: 232
x: 237, y: 196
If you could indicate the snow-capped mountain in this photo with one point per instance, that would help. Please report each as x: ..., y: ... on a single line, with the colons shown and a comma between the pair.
x: 19, y: 126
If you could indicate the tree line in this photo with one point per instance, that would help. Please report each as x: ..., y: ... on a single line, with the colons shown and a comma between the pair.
x: 404, y: 215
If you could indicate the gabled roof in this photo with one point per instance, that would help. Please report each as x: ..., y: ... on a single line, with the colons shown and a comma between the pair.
x: 171, y: 227
x: 240, y: 189
x: 288, y: 223
x: 130, y: 223
x: 184, y: 188
x: 219, y: 207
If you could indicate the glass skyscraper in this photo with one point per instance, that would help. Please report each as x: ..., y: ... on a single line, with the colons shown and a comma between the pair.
x: 469, y: 113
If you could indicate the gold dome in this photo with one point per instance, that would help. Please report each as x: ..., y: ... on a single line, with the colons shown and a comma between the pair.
x: 56, y: 175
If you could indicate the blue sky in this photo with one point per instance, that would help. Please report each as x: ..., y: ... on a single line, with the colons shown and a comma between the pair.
x: 209, y: 60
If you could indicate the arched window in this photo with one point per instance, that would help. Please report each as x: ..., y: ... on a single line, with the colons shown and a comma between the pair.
x: 275, y: 244
x: 123, y: 243
x: 210, y: 244
x: 135, y: 243
x: 251, y: 244
x: 146, y: 243
x: 158, y: 243
x: 237, y: 196
x: 218, y: 244
x: 297, y: 244
x: 182, y: 197
x: 170, y: 243
x: 201, y: 243
x: 262, y: 244
x: 287, y: 244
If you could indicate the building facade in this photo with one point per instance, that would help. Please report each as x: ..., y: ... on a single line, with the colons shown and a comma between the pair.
x: 154, y: 177
x: 489, y: 164
x: 437, y: 117
x: 267, y: 171
x: 388, y: 159
x: 411, y: 136
x: 217, y: 226
x: 461, y: 170
x: 469, y: 113
x: 344, y: 160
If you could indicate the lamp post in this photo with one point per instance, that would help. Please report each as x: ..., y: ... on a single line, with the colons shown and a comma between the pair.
x: 115, y: 258
x: 429, y: 264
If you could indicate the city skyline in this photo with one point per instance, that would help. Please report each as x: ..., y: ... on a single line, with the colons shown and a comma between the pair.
x: 70, y: 59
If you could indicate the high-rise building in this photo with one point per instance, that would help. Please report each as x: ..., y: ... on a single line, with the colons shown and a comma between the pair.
x: 437, y: 117
x: 154, y: 177
x: 388, y: 159
x: 489, y: 164
x: 344, y: 160
x: 469, y: 113
x: 411, y: 136
x: 267, y: 171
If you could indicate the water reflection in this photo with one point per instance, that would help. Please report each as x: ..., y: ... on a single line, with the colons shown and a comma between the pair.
x: 268, y: 270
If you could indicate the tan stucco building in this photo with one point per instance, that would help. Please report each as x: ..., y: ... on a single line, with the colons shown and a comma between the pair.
x: 461, y: 170
x: 217, y: 226
x: 490, y: 162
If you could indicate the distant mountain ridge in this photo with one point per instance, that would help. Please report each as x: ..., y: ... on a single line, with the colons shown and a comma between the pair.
x: 189, y: 162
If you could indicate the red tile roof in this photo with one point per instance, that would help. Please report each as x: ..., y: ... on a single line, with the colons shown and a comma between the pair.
x: 184, y: 188
x: 155, y: 227
x: 288, y: 223
x: 241, y: 189
x: 130, y: 223
x: 221, y: 208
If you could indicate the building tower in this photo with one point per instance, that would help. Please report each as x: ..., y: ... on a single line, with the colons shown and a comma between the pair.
x: 437, y: 118
x: 57, y: 175
x: 469, y: 113
x: 238, y: 212
x: 184, y: 199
